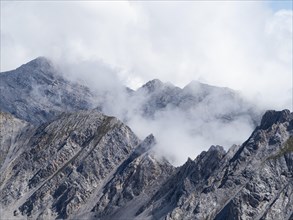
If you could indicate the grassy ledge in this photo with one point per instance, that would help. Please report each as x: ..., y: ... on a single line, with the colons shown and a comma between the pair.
x: 287, y: 148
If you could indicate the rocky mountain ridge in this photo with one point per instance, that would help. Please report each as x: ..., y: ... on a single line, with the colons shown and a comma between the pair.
x: 253, y: 182
x: 199, y: 114
x: 38, y: 92
x: 61, y: 158
x: 91, y: 166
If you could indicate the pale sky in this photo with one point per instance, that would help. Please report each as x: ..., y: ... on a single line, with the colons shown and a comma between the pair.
x: 244, y: 45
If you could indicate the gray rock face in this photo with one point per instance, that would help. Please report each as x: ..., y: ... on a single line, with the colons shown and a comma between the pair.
x: 10, y: 129
x: 36, y: 92
x: 133, y: 183
x: 91, y: 166
x: 63, y: 163
x: 254, y: 182
x: 195, y: 99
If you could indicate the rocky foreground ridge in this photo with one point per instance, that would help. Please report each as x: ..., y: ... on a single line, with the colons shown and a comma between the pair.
x: 74, y: 162
x: 87, y: 165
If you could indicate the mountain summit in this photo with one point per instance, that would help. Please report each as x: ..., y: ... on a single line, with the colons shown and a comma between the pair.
x: 36, y: 92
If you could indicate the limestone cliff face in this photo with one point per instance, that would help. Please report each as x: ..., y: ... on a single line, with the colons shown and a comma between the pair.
x: 63, y: 163
x: 10, y: 129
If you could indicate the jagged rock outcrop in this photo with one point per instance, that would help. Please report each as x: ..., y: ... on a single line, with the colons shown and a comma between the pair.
x: 254, y: 182
x: 63, y: 163
x: 91, y: 166
x: 133, y: 183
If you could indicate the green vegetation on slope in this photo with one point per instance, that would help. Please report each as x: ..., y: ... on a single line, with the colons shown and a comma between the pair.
x: 287, y: 148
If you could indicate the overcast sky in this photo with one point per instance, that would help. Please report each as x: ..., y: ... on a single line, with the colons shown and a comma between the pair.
x: 244, y: 45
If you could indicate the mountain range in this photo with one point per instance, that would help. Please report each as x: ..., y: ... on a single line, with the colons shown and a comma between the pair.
x: 66, y: 155
x: 37, y: 92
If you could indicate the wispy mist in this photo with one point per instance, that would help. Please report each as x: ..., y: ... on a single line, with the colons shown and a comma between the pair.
x: 246, y: 46
x: 193, y: 119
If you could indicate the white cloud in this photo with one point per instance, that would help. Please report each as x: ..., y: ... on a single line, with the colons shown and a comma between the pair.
x: 242, y: 45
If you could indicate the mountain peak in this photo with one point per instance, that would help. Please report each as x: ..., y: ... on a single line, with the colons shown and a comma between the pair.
x: 273, y: 117
x: 194, y: 83
x: 37, y: 92
x: 41, y: 59
x: 152, y: 85
x: 39, y: 62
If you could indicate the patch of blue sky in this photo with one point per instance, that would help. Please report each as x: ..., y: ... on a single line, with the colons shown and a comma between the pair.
x: 277, y: 5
